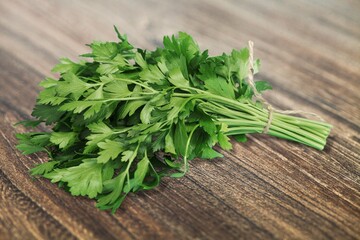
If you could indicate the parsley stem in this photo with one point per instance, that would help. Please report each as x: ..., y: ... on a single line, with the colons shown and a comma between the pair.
x: 137, y: 83
x: 125, y: 99
x: 187, y: 148
x: 223, y: 100
x: 302, y: 130
x: 133, y: 156
x: 248, y: 124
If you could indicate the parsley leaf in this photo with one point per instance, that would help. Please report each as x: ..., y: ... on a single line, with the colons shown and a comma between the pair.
x: 63, y: 139
x: 84, y: 179
x: 110, y: 150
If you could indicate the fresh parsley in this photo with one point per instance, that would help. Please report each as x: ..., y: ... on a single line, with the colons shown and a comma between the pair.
x: 129, y: 117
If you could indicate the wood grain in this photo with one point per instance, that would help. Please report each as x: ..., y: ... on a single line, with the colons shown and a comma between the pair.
x: 266, y: 188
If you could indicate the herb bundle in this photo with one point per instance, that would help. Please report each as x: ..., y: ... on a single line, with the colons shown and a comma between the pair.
x: 129, y: 117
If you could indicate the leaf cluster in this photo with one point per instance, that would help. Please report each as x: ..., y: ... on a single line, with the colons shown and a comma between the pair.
x: 124, y: 117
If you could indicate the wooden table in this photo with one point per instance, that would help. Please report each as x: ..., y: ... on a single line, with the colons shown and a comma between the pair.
x: 266, y: 188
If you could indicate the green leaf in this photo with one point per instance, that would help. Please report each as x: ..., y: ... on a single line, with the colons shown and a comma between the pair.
x: 108, y: 171
x: 48, y: 83
x: 106, y: 68
x: 120, y: 37
x: 32, y: 142
x: 40, y: 139
x: 43, y: 168
x: 130, y: 107
x: 27, y: 148
x: 177, y: 175
x: 219, y: 86
x: 77, y: 106
x: 28, y: 123
x: 117, y: 185
x: 240, y: 138
x: 262, y: 86
x: 48, y: 96
x: 209, y: 153
x: 47, y: 113
x: 116, y: 88
x: 84, y: 179
x: 63, y: 139
x: 188, y: 46
x: 126, y: 155
x: 99, y: 127
x: 176, y: 77
x: 140, y: 60
x: 169, y: 143
x: 93, y: 110
x: 103, y: 52
x: 96, y: 94
x: 99, y: 132
x: 140, y: 172
x: 173, y: 164
x: 175, y: 105
x: 66, y: 66
x: 224, y: 141
x: 180, y: 138
x: 207, y: 124
x: 152, y: 74
x: 117, y: 64
x: 199, y: 140
x: 72, y: 85
x: 183, y: 45
x: 145, y: 114
x: 110, y: 150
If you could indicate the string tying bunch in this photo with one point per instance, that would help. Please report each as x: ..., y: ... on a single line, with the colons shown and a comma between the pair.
x: 260, y: 98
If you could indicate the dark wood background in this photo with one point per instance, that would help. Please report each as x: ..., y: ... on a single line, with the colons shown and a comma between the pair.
x: 264, y: 189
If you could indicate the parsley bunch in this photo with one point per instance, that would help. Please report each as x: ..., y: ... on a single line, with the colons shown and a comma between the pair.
x: 129, y: 117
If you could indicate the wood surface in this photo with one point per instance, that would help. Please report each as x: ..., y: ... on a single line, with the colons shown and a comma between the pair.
x: 266, y: 188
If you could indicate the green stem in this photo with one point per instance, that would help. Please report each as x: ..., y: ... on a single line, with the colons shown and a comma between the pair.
x: 187, y: 147
x: 129, y: 164
x: 245, y: 117
x: 126, y: 99
x: 137, y: 83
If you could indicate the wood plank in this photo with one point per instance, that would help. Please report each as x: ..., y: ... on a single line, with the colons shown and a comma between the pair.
x: 267, y: 188
x: 23, y: 218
